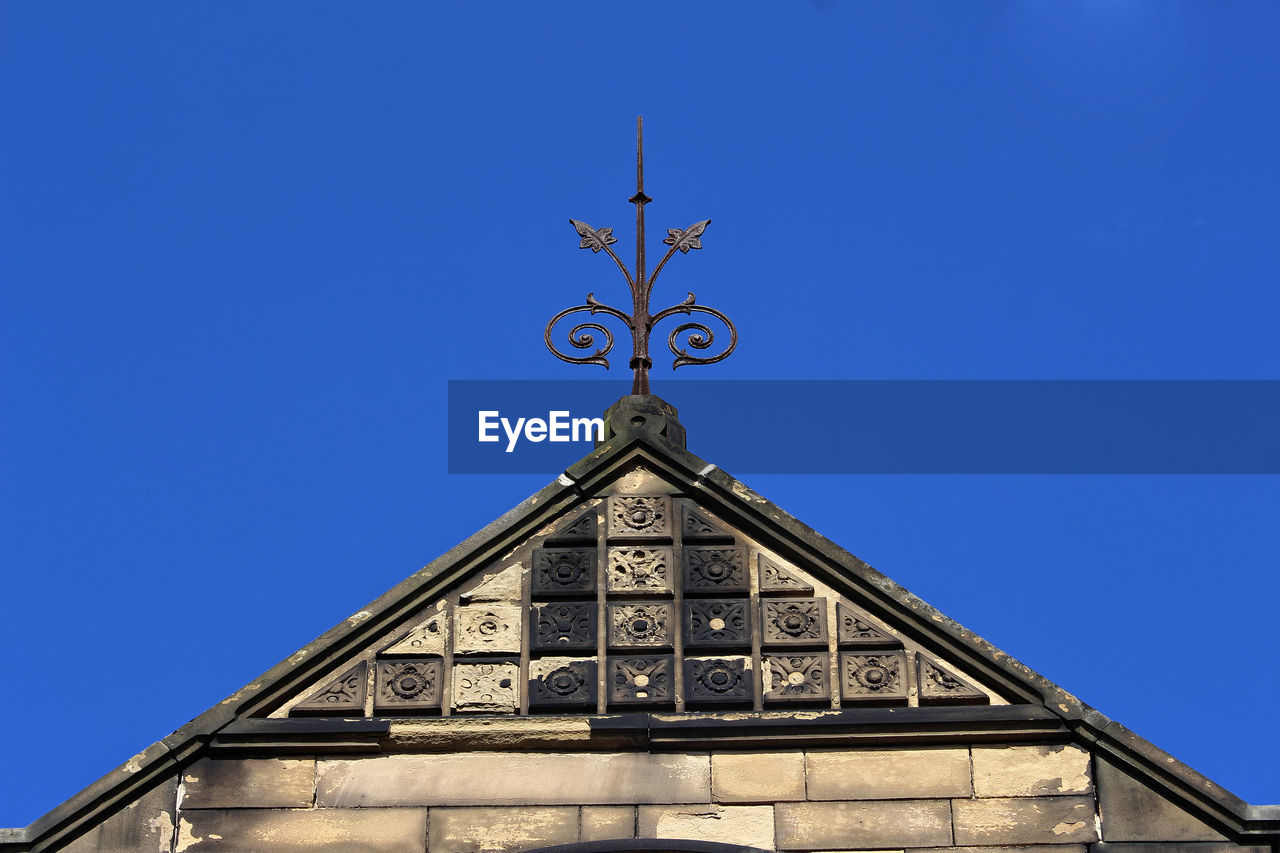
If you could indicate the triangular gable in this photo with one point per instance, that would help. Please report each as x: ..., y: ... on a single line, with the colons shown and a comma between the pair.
x: 644, y: 579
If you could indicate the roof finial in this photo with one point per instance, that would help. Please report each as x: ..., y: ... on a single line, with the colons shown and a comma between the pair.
x: 697, y: 335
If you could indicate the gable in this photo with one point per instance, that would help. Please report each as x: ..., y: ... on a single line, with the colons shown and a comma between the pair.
x: 640, y: 597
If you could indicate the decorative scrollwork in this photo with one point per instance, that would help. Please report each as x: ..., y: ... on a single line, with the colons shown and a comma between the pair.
x: 698, y: 336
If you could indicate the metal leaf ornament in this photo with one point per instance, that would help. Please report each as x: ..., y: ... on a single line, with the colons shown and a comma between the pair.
x: 688, y: 239
x: 594, y: 239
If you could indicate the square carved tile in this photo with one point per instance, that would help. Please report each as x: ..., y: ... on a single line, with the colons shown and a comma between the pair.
x: 717, y: 681
x: 408, y: 685
x: 855, y: 631
x: 632, y: 516
x: 873, y: 678
x: 564, y: 572
x: 795, y: 622
x: 715, y: 571
x: 641, y: 625
x: 564, y: 626
x: 717, y: 623
x: 486, y: 630
x: 635, y: 569
x: 797, y: 678
x: 486, y: 687
x: 646, y: 681
x: 559, y: 683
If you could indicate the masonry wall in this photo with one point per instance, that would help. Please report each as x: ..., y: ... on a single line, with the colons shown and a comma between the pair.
x: 997, y: 799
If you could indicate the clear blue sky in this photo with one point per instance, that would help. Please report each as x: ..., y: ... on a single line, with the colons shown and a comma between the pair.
x: 244, y: 246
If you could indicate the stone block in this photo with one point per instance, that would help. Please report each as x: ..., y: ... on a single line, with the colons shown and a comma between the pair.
x: 748, y: 826
x: 757, y: 777
x: 1029, y: 771
x: 486, y: 687
x: 486, y: 629
x: 1021, y: 848
x: 1176, y: 847
x: 890, y: 774
x: 510, y: 778
x: 309, y: 830
x: 601, y: 823
x: 497, y: 830
x: 145, y: 824
x: 863, y: 826
x: 1131, y: 811
x: 1024, y: 820
x: 253, y: 783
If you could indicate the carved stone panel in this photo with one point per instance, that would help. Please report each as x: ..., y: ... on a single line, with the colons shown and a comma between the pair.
x: 631, y: 516
x: 407, y: 685
x: 697, y: 525
x: 854, y: 631
x: 940, y: 686
x: 486, y: 687
x: 560, y: 683
x: 342, y: 697
x: 642, y: 680
x: 478, y: 629
x: 717, y: 623
x: 564, y: 572
x: 796, y: 678
x: 715, y: 571
x: 639, y: 570
x: 428, y: 637
x: 795, y: 622
x: 564, y: 625
x: 636, y: 625
x: 779, y: 579
x: 583, y: 528
x: 717, y: 681
x: 873, y: 679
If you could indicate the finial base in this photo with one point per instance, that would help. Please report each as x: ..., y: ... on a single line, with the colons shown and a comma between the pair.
x: 646, y: 415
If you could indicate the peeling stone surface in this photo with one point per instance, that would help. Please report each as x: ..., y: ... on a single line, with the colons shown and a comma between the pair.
x: 1026, y: 771
x: 757, y: 777
x: 600, y: 823
x: 891, y: 774
x: 496, y: 586
x: 249, y: 783
x: 749, y: 826
x: 145, y: 825
x: 863, y: 826
x: 310, y: 830
x: 1025, y: 820
x: 506, y: 778
x: 497, y: 830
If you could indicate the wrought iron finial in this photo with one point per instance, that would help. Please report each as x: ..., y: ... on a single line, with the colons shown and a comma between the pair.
x: 697, y: 336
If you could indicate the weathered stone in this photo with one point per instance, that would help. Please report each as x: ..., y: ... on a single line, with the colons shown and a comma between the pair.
x: 600, y: 823
x: 407, y: 685
x: 309, y: 830
x: 249, y: 783
x: 341, y: 697
x: 1131, y: 811
x: 640, y: 516
x: 757, y: 777
x: 507, y: 778
x: 863, y: 826
x: 496, y: 586
x: 486, y: 629
x: 496, y: 830
x: 486, y: 687
x: 1176, y: 847
x: 1021, y: 848
x: 1028, y: 771
x: 146, y: 824
x: 427, y: 637
x: 749, y: 826
x: 1025, y: 820
x: 891, y: 774
x: 639, y: 570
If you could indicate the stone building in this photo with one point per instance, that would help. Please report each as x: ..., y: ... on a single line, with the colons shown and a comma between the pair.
x: 648, y: 656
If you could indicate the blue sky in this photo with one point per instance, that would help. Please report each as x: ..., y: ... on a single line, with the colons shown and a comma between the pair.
x: 245, y: 246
